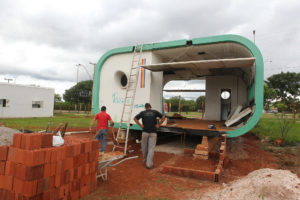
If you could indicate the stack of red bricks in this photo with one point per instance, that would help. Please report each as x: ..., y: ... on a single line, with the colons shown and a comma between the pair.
x: 32, y: 169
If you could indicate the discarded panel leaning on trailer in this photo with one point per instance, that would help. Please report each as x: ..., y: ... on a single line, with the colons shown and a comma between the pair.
x: 231, y: 65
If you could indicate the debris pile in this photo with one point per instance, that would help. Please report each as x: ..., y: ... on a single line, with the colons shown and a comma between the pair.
x: 6, y: 135
x: 260, y: 184
x: 32, y: 169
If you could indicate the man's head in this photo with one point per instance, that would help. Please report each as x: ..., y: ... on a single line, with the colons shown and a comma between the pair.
x: 103, y: 108
x: 147, y: 106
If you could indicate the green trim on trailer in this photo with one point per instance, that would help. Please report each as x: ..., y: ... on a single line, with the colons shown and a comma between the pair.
x: 251, y: 92
x: 258, y: 81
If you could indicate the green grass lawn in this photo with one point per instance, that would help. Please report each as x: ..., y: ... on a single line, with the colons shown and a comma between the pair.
x: 268, y: 126
x: 74, y: 121
x: 186, y: 114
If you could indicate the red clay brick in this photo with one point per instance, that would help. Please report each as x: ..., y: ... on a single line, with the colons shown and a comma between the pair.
x: 48, y: 155
x: 87, y: 169
x: 47, y: 140
x: 78, y: 172
x: 79, y: 160
x: 47, y: 170
x: 75, y: 195
x: 31, y: 141
x: 43, y: 185
x: 82, y: 149
x: 16, y: 155
x: 54, y: 193
x: 57, y: 181
x: 77, y: 149
x: 69, y: 164
x: 9, y: 168
x: 64, y: 191
x: 18, y: 186
x: 71, y: 174
x: 26, y: 188
x: 88, y: 147
x: 85, y: 180
x: 206, y: 175
x: 58, y: 168
x: 75, y: 185
x: 53, y: 169
x: 95, y: 145
x: 3, y: 152
x: 84, y: 191
x: 6, y: 182
x: 46, y: 195
x: 34, y: 157
x: 53, y: 155
x: 51, y: 182
x: 17, y: 140
x: 2, y: 167
x: 30, y: 188
x: 7, y: 194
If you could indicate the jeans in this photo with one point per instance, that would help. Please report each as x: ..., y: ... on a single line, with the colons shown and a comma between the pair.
x: 148, y: 146
x: 102, y: 137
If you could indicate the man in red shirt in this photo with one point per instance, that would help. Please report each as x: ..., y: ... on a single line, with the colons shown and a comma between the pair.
x: 102, y: 126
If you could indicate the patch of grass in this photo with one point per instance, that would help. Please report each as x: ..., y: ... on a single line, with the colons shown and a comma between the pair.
x: 162, y: 179
x: 75, y: 121
x: 268, y: 126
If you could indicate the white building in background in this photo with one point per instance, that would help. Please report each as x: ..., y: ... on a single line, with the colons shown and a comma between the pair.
x: 25, y: 101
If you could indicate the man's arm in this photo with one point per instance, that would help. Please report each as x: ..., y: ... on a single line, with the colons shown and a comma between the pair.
x: 91, y: 125
x: 138, y: 123
x: 162, y: 119
x: 111, y: 123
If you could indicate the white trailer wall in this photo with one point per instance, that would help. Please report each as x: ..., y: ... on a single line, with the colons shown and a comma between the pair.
x: 111, y: 93
x: 214, y: 84
x: 20, y: 100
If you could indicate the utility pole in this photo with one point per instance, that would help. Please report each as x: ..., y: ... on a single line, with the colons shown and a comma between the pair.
x: 8, y: 79
x: 94, y: 65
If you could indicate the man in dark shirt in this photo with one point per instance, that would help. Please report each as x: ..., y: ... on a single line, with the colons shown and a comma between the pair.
x: 149, y: 135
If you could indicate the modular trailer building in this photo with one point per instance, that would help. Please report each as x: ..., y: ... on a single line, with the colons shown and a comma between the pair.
x: 231, y: 65
x: 25, y: 101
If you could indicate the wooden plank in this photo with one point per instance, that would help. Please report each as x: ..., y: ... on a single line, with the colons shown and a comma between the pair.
x: 238, y: 117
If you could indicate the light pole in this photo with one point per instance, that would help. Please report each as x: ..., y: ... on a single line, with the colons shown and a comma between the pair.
x: 78, y: 65
x: 84, y: 67
x: 254, y: 36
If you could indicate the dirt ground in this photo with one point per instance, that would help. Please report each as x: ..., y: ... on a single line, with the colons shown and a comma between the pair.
x: 131, y: 179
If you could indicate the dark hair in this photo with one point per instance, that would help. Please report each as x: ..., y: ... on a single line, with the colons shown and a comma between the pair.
x: 147, y: 105
x: 103, y: 108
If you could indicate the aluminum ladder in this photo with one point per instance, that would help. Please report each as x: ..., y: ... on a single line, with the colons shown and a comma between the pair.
x: 129, y: 96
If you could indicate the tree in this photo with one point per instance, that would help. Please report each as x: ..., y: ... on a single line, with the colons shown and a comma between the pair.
x: 199, y: 101
x: 174, y: 101
x: 57, y: 98
x: 285, y: 84
x: 80, y: 93
x: 269, y: 95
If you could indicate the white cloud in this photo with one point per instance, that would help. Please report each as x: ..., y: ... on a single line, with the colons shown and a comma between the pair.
x: 44, y: 40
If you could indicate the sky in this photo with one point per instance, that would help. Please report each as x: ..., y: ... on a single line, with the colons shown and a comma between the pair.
x: 41, y: 42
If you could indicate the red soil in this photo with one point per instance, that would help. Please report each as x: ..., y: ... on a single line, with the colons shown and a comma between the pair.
x: 132, y: 180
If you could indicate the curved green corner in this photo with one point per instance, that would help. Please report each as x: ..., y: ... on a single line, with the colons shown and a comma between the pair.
x: 258, y: 82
